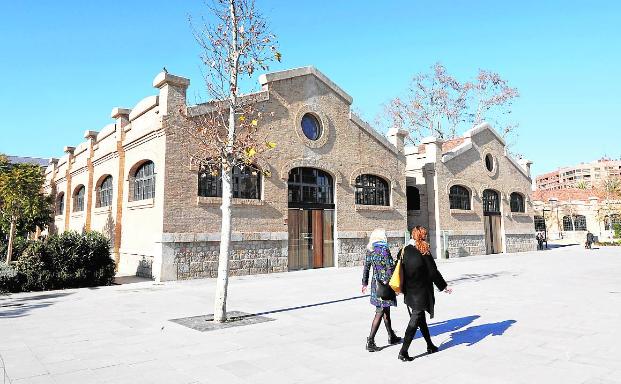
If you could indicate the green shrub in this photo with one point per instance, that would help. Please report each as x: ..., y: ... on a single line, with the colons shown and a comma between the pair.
x: 10, y: 279
x: 69, y: 260
x: 617, y: 229
x: 19, y: 245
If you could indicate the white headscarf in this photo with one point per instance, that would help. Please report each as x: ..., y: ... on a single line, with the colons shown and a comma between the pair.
x: 378, y: 234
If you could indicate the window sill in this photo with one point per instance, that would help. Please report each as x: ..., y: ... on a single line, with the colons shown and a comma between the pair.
x: 518, y: 214
x: 103, y: 210
x: 141, y: 204
x: 203, y: 200
x: 462, y: 212
x: 374, y: 208
x: 77, y: 214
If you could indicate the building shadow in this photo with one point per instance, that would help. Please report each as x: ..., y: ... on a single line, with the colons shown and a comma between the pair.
x: 22, y: 306
x: 474, y: 334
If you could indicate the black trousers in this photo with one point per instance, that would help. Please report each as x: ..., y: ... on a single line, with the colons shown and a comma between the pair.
x: 417, y: 320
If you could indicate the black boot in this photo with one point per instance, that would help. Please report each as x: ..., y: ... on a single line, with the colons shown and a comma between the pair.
x: 393, y: 339
x: 371, y: 347
x: 403, y: 356
x: 432, y: 348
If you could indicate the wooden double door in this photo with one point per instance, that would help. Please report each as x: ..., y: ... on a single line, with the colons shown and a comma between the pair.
x: 311, y: 238
x: 493, y: 234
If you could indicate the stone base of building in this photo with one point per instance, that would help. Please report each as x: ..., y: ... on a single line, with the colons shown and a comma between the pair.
x: 352, y: 250
x: 200, y: 259
x: 521, y: 242
x: 466, y: 245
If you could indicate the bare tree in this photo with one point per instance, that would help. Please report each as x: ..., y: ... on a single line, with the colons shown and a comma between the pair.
x: 235, y: 42
x: 438, y: 104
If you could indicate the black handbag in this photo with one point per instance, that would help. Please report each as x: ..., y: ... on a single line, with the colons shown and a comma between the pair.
x: 384, y: 292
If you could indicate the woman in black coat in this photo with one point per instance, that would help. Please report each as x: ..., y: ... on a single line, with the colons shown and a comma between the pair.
x: 419, y: 275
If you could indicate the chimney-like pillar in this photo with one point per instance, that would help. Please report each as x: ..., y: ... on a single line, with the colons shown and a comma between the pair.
x: 397, y: 137
x: 172, y: 92
x: 525, y: 164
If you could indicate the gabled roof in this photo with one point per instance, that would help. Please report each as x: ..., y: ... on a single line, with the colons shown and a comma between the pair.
x: 303, y: 71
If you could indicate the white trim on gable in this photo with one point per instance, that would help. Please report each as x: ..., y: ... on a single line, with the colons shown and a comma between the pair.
x: 302, y: 71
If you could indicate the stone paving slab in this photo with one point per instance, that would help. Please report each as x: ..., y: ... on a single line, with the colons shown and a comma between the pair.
x: 537, y: 317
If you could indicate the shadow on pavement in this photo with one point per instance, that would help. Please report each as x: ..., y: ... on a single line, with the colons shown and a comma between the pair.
x: 306, y: 306
x: 473, y: 335
x: 21, y: 306
x: 554, y: 246
x: 474, y: 277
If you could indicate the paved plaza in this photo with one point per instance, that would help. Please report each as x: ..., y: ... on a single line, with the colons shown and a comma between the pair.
x: 537, y: 317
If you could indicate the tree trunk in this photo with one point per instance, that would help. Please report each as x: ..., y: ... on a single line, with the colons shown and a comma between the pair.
x: 9, y: 252
x: 222, y: 281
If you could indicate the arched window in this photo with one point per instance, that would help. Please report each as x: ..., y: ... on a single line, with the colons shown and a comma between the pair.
x: 144, y: 181
x: 60, y: 203
x: 459, y: 197
x: 309, y: 186
x: 413, y: 197
x: 517, y: 202
x: 104, y: 192
x: 209, y: 183
x: 246, y: 183
x: 611, y: 221
x: 567, y: 223
x: 577, y: 224
x: 371, y: 190
x: 580, y: 223
x: 78, y: 199
x: 491, y: 201
x: 540, y: 224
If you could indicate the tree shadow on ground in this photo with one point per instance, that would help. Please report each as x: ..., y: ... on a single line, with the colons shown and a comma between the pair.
x: 474, y: 334
x: 21, y: 306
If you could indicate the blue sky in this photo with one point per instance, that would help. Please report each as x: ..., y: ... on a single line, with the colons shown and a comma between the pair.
x: 66, y: 64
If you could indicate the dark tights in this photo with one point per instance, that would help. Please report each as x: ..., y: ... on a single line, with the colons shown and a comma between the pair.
x: 417, y: 320
x: 381, y: 313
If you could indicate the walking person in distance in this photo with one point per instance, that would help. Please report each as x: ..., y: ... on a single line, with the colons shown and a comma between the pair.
x: 419, y: 275
x: 381, y: 264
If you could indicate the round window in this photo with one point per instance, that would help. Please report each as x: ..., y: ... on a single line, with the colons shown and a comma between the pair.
x: 489, y: 162
x: 311, y: 127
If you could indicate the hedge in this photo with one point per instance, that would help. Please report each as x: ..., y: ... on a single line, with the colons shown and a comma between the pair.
x: 69, y: 260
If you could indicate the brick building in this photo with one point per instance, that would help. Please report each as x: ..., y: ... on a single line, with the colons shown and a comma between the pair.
x: 334, y: 179
x: 471, y: 193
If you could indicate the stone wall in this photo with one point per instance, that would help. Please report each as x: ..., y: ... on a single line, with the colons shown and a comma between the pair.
x: 466, y: 245
x: 352, y: 251
x: 200, y: 259
x: 521, y: 242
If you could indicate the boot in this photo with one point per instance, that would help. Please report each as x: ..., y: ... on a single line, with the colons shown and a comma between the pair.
x: 403, y: 356
x: 371, y: 347
x: 393, y: 339
x: 432, y: 348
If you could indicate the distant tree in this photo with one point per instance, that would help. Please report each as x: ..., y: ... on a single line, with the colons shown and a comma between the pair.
x: 235, y: 43
x: 23, y: 206
x: 438, y: 104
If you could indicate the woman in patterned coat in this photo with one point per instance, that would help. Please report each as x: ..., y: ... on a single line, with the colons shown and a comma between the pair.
x: 379, y: 260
